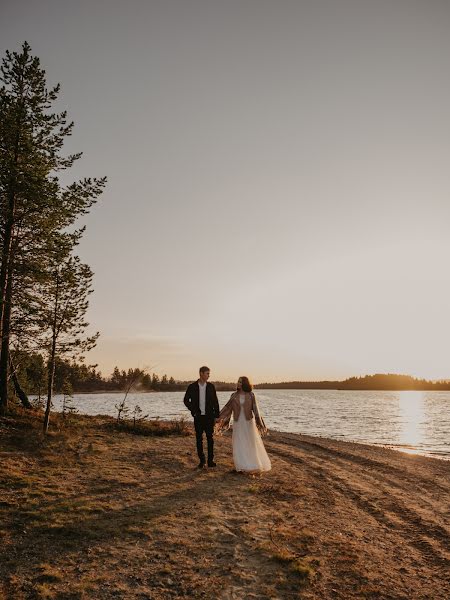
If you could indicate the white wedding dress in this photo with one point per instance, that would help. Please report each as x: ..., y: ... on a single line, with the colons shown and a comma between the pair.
x: 249, y: 453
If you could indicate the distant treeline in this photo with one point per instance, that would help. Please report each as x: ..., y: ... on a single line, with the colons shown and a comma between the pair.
x: 71, y: 376
x: 78, y: 377
x: 368, y: 382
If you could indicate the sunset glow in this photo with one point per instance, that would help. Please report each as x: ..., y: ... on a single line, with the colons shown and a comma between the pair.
x: 278, y: 207
x: 412, y: 415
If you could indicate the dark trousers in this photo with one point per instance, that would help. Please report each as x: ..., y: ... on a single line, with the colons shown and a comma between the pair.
x: 204, y: 423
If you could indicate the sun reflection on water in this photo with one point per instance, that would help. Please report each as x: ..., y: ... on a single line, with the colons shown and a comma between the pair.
x: 411, y: 412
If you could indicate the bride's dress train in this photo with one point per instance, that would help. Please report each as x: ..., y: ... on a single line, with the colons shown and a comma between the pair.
x: 249, y: 453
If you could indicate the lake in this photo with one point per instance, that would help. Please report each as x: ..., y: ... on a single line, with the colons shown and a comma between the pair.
x: 415, y: 422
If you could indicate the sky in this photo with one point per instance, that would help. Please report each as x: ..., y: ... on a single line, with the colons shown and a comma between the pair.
x: 278, y: 192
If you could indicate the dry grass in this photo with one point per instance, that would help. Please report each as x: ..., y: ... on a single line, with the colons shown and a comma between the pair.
x: 154, y: 427
x: 96, y: 511
x: 286, y: 558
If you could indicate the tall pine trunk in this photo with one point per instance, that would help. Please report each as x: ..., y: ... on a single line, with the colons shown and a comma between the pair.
x: 51, y: 378
x: 52, y: 359
x: 7, y: 266
x: 5, y: 323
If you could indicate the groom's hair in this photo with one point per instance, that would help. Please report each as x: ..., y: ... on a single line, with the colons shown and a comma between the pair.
x: 246, y: 384
x: 203, y: 369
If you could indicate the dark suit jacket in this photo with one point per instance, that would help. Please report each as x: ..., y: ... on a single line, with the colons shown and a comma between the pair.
x: 192, y: 400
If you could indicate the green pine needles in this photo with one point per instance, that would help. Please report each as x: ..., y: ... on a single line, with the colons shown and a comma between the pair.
x: 44, y: 287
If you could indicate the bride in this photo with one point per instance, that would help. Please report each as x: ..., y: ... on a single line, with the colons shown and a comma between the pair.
x: 249, y: 453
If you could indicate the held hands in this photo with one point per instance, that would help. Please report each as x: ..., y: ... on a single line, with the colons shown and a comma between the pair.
x: 219, y: 426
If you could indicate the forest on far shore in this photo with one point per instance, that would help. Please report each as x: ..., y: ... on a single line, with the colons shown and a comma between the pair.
x: 72, y: 376
x: 379, y: 381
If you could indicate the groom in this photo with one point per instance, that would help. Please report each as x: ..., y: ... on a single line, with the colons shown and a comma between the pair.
x: 201, y: 399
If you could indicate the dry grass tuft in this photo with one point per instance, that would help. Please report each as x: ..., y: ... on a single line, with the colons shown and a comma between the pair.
x: 154, y: 427
x: 48, y: 574
x: 296, y: 565
x: 44, y: 592
x: 275, y: 491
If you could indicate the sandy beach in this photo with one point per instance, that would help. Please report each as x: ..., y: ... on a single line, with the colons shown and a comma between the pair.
x: 92, y: 513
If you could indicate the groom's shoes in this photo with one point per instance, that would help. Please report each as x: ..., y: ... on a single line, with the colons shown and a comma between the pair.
x: 201, y: 464
x: 211, y: 463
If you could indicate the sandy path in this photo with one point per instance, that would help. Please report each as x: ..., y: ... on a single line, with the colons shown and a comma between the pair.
x: 392, y: 509
x: 102, y: 515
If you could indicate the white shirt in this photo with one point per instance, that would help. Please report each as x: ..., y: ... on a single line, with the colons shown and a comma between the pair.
x: 202, y: 397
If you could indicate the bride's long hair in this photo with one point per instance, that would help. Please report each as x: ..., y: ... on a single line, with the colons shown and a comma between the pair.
x: 246, y: 384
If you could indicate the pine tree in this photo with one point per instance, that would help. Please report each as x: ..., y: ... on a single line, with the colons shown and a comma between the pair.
x: 146, y: 381
x: 68, y: 407
x: 66, y: 295
x: 155, y: 382
x: 35, y: 376
x: 116, y: 378
x: 34, y: 208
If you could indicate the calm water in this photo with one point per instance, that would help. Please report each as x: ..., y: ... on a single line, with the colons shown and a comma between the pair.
x: 417, y: 422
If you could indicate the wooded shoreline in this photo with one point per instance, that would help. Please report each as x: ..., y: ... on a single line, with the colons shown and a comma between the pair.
x: 272, y: 387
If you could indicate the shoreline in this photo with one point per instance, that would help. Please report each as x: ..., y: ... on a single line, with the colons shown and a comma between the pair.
x: 405, y: 449
x: 399, y: 433
x: 232, y: 389
x: 90, y: 512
